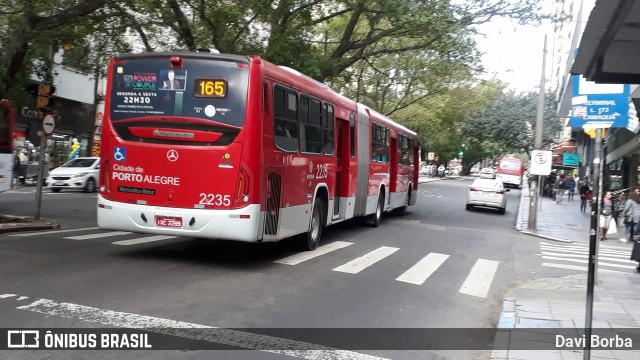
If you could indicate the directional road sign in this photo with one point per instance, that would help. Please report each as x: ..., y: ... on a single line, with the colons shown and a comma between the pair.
x: 599, y: 105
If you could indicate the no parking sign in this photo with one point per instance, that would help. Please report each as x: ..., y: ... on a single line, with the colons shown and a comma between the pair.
x: 540, y: 162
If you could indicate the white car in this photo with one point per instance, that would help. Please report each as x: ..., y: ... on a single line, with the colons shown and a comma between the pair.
x: 487, y: 193
x: 79, y: 174
x: 487, y: 173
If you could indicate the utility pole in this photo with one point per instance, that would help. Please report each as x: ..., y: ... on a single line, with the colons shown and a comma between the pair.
x: 534, y: 193
x: 593, y: 241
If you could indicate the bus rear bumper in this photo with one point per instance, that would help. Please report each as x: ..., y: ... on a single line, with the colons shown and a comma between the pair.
x: 238, y: 224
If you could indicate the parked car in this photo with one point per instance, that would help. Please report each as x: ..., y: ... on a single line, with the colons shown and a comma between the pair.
x: 487, y: 173
x: 487, y: 193
x: 79, y: 174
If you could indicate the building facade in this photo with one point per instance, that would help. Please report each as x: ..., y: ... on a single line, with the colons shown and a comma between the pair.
x: 74, y: 107
x: 589, y: 30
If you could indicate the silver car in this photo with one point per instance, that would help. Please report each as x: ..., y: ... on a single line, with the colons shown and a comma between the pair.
x: 487, y: 193
x: 79, y: 174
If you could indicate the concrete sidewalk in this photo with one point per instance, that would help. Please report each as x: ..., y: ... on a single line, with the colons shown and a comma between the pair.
x: 559, y: 303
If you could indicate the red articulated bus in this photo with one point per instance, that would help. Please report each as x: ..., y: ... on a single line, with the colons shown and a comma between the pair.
x: 233, y: 147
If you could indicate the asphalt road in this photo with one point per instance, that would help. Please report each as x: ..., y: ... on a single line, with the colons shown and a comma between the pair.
x: 437, y: 266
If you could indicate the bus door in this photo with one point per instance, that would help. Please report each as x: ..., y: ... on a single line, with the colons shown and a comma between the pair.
x: 393, y: 162
x: 342, y: 165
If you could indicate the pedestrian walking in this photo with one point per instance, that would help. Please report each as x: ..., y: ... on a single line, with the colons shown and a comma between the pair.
x: 635, y: 252
x: 22, y: 168
x: 570, y: 184
x: 559, y: 189
x: 605, y: 215
x: 585, y: 195
x: 631, y: 216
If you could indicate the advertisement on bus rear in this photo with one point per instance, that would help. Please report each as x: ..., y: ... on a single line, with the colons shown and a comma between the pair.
x: 201, y: 88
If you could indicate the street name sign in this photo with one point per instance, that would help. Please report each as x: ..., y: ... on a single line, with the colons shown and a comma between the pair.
x: 540, y: 162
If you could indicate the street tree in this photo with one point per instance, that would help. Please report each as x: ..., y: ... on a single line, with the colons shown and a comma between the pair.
x: 29, y: 37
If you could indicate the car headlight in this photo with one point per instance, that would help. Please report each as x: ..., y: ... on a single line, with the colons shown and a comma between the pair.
x: 81, y: 174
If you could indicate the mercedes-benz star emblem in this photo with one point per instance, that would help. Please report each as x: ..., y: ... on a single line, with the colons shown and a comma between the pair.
x: 172, y: 155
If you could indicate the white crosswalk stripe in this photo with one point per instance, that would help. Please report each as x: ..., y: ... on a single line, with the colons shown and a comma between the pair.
x: 53, y: 231
x: 611, y: 259
x: 420, y: 272
x: 480, y: 278
x: 143, y: 240
x: 356, y: 265
x: 98, y: 235
x: 308, y: 255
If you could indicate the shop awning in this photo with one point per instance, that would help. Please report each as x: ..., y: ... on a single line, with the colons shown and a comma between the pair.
x: 609, y: 50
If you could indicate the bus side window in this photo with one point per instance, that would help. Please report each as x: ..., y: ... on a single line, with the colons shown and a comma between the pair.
x: 327, y: 129
x: 285, y: 119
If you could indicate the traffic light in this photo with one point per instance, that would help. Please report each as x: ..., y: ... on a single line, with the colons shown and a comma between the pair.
x: 44, y: 95
x: 460, y: 153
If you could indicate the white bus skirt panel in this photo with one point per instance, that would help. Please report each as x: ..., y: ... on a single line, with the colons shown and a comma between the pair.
x: 207, y: 223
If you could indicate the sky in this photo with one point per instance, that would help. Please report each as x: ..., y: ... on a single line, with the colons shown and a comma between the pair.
x: 513, y: 53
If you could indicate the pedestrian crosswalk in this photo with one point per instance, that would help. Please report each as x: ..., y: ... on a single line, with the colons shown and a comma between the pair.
x: 477, y: 282
x: 417, y: 272
x: 576, y: 257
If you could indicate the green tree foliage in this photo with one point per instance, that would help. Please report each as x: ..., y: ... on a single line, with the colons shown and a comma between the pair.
x: 438, y: 119
x: 33, y: 30
x: 507, y: 125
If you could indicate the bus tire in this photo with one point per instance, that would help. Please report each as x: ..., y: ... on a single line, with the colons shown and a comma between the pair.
x: 377, y: 216
x: 312, y: 238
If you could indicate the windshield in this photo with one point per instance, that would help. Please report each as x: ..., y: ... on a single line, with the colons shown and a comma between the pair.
x: 206, y: 88
x: 510, y: 165
x: 79, y: 163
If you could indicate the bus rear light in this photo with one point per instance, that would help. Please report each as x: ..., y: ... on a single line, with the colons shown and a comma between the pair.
x: 241, y: 197
x: 473, y: 189
x: 499, y: 192
x: 104, y: 181
x: 176, y: 62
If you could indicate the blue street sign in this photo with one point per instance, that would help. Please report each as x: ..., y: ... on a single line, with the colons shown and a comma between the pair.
x: 599, y: 105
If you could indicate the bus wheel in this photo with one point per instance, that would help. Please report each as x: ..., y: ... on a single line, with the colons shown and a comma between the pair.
x: 315, y: 230
x: 377, y: 216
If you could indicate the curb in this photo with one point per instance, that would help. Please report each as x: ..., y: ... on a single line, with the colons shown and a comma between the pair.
x: 12, y: 223
x: 546, y: 236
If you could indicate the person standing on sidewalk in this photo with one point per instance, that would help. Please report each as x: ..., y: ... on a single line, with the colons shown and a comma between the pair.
x: 631, y: 215
x: 570, y: 184
x: 559, y: 188
x: 584, y: 195
x: 605, y: 215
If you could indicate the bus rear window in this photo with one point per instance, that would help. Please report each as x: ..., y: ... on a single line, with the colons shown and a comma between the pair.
x: 211, y: 89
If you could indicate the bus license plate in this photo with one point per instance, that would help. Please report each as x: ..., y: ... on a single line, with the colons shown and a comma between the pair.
x: 169, y: 221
